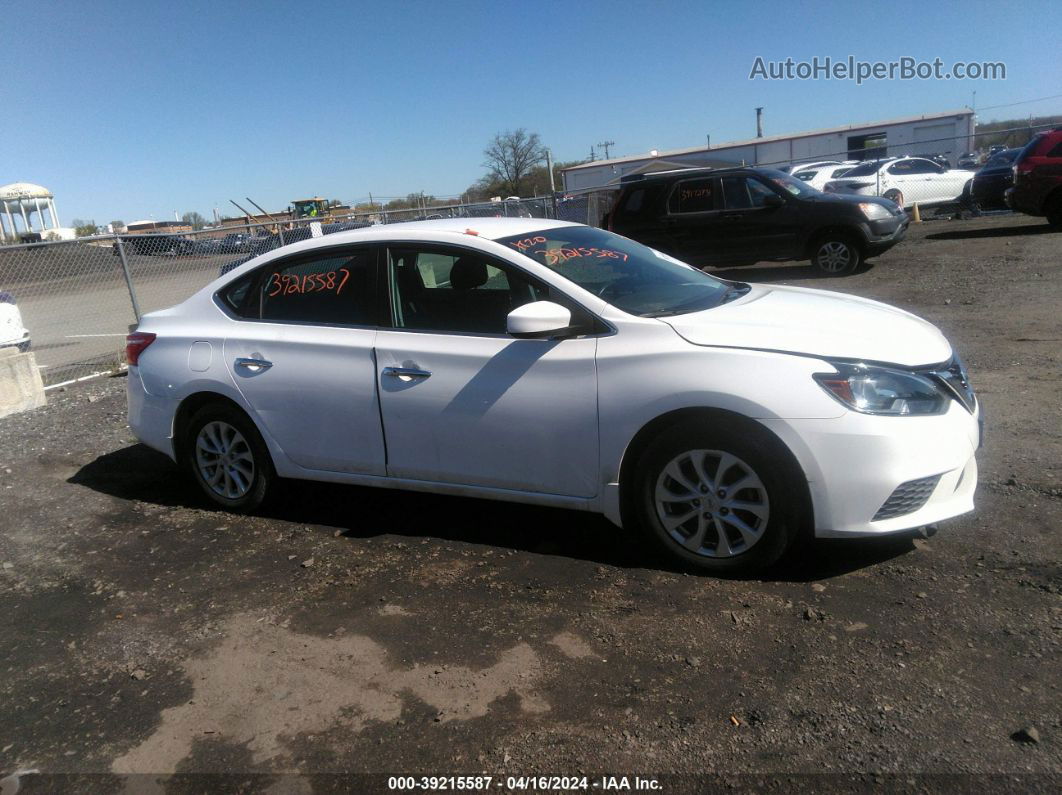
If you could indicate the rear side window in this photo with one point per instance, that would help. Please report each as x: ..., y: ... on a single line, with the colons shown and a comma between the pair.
x: 692, y: 196
x: 333, y: 288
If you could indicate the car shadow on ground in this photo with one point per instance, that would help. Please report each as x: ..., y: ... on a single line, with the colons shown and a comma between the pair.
x: 1001, y: 231
x: 140, y: 473
x: 778, y: 273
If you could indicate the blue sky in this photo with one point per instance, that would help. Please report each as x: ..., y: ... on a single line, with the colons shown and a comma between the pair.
x: 133, y: 110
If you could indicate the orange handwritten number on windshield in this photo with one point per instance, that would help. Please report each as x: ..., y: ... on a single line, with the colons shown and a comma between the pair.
x: 290, y: 284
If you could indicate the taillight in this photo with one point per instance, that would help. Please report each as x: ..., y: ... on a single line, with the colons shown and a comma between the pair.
x: 135, y: 344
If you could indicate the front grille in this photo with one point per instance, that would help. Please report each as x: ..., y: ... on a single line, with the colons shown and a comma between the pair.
x: 907, y: 498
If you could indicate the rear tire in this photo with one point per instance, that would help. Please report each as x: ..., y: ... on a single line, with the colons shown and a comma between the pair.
x: 227, y: 458
x: 836, y: 254
x: 721, y: 500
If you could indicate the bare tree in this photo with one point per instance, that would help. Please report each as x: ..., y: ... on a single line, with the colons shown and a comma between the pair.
x: 194, y: 220
x: 511, y: 157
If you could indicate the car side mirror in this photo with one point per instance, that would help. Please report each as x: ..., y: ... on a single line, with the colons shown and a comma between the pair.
x: 538, y: 320
x: 773, y: 200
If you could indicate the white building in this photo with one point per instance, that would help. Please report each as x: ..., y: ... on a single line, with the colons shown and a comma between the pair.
x: 33, y: 208
x: 950, y: 134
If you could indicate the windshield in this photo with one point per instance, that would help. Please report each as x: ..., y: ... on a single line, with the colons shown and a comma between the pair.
x: 1003, y: 158
x: 788, y: 183
x: 866, y: 169
x: 632, y: 277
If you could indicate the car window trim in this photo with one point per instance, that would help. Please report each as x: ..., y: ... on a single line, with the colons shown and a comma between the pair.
x: 324, y: 252
x: 716, y: 188
x: 387, y: 297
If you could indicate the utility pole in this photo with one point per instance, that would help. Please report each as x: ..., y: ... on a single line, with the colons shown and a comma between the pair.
x: 605, y: 145
x: 552, y: 184
x: 593, y: 155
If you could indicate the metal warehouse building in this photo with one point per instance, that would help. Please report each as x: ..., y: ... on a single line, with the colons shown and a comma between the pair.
x: 949, y: 134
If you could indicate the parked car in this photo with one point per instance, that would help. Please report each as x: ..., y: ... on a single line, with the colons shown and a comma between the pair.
x: 156, y: 245
x: 738, y: 216
x: 906, y: 181
x: 995, y: 150
x: 552, y: 363
x: 13, y: 334
x: 969, y: 160
x: 818, y: 175
x: 1037, y: 186
x: 993, y: 180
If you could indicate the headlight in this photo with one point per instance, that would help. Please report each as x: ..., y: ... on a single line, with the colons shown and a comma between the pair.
x: 874, y: 212
x: 880, y: 390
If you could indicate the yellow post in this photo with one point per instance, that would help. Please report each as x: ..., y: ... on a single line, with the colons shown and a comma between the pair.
x: 916, y: 216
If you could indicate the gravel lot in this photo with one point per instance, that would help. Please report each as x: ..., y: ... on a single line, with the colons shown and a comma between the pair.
x: 356, y: 631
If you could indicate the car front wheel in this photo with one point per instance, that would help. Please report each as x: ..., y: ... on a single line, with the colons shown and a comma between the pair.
x: 721, y: 500
x: 227, y: 458
x: 836, y: 254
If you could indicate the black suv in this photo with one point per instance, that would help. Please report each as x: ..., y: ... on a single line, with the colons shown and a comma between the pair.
x: 738, y: 216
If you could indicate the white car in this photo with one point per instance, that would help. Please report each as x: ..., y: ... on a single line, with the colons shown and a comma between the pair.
x: 12, y: 333
x: 906, y: 181
x: 818, y: 174
x: 553, y: 363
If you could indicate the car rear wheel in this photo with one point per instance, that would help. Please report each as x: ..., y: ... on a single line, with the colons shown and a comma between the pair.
x: 836, y: 254
x: 719, y: 500
x: 227, y: 458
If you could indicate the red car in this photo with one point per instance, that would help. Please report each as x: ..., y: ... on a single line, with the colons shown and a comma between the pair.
x: 1038, y: 178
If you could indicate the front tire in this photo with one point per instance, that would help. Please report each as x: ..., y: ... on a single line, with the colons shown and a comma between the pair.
x: 836, y: 254
x: 227, y: 458
x: 721, y: 500
x: 1053, y: 210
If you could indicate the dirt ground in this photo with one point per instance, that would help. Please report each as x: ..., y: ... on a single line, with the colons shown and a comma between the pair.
x: 356, y: 632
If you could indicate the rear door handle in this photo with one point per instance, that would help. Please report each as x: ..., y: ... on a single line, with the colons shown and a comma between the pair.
x: 406, y: 373
x: 254, y: 365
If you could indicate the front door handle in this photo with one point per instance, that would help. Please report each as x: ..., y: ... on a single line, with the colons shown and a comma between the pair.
x: 406, y: 373
x: 254, y: 365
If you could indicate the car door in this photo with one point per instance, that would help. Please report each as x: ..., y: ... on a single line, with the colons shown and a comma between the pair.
x: 694, y: 223
x: 301, y: 354
x: 756, y: 225
x: 463, y: 402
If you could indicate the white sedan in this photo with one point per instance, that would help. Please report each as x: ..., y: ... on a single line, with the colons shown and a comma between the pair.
x: 906, y: 181
x: 818, y: 174
x: 552, y: 363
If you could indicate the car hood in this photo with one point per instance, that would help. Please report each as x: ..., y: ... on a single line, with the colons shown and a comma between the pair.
x: 816, y: 323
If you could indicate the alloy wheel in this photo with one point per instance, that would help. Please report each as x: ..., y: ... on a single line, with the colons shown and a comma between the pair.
x: 712, y: 503
x: 224, y: 460
x: 834, y: 256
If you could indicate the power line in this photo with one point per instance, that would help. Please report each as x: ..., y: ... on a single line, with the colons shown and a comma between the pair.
x: 1022, y: 102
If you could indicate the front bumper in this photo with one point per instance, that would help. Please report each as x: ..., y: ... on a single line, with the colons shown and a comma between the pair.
x: 883, y: 235
x: 855, y: 464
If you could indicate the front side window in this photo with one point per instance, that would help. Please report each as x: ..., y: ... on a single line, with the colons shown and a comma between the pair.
x: 692, y: 196
x: 327, y: 288
x: 441, y: 289
x: 744, y: 193
x: 630, y: 276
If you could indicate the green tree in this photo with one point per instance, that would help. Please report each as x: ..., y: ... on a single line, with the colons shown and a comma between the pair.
x: 84, y: 228
x: 117, y: 225
x: 194, y: 220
